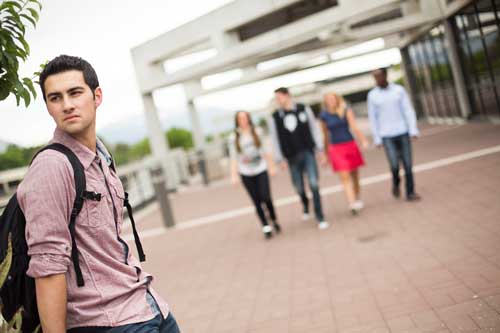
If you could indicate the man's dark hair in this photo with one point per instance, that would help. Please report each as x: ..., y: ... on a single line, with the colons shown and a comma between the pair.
x: 383, y: 70
x: 64, y: 63
x: 282, y: 90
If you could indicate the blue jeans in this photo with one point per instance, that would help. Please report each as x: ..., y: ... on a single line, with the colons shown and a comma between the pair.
x: 398, y: 148
x: 155, y: 325
x: 304, y: 162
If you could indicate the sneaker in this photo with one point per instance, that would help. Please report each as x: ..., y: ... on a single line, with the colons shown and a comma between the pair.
x: 396, y: 192
x: 268, y: 231
x: 356, y: 207
x: 277, y: 227
x: 413, y: 197
x: 305, y: 216
x: 359, y: 205
x: 322, y: 225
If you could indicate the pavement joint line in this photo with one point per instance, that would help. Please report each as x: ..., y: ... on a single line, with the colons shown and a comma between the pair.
x: 220, y: 217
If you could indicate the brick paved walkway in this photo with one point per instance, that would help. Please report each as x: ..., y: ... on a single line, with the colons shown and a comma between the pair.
x: 432, y: 266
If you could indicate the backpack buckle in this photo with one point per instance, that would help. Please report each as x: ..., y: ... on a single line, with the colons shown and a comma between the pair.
x: 94, y: 196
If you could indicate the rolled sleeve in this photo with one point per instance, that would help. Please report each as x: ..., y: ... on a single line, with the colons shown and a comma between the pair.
x: 42, y: 265
x: 45, y: 199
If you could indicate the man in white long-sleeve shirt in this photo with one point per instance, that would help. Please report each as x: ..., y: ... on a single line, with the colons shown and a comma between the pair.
x: 296, y: 136
x: 393, y: 122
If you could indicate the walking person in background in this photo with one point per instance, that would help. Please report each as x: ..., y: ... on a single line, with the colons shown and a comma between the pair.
x: 337, y: 122
x: 296, y: 136
x: 252, y: 162
x: 393, y: 122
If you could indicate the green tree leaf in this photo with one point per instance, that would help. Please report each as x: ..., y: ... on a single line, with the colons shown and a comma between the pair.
x: 14, y: 15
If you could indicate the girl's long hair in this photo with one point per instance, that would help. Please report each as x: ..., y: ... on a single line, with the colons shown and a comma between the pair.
x: 237, y: 132
x: 341, y: 107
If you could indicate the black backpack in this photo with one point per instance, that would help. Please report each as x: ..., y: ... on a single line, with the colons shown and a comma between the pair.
x: 17, y: 294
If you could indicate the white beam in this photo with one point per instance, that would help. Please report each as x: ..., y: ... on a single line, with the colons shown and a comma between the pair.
x: 279, y: 39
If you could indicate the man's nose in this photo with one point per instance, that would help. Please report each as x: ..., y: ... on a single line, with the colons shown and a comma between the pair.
x: 68, y: 105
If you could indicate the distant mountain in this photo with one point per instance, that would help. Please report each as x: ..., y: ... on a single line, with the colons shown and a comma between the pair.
x: 133, y: 129
x: 3, y: 146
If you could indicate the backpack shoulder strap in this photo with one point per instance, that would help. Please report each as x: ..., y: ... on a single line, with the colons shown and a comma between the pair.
x: 80, y: 186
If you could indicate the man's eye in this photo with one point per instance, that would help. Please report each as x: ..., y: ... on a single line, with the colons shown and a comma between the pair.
x: 54, y: 99
x: 76, y: 93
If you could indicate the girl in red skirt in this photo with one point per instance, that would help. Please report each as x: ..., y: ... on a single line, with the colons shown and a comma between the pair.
x: 338, y: 122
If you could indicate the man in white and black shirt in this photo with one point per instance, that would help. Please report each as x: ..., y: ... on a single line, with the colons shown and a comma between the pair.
x: 296, y: 136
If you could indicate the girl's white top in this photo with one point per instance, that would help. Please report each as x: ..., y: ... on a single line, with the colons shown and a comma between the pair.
x: 251, y: 160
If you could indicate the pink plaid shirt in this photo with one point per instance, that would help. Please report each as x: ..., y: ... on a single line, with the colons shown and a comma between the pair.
x: 115, y: 284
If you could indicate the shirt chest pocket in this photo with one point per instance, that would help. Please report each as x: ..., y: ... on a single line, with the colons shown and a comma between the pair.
x: 96, y: 211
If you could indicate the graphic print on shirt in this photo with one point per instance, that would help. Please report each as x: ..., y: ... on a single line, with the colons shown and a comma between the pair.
x: 250, y: 154
x: 303, y: 117
x: 290, y: 122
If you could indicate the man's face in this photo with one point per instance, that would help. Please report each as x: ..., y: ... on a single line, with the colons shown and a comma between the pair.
x: 380, y: 78
x: 71, y: 102
x: 282, y: 99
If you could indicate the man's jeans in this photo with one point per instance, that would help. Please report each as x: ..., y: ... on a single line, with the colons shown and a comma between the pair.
x: 155, y: 325
x: 398, y: 148
x: 304, y: 162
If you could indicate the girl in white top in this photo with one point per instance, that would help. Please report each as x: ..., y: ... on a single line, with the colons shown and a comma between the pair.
x: 251, y: 162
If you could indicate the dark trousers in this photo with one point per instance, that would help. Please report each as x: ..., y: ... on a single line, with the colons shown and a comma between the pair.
x: 305, y: 162
x: 398, y: 148
x: 259, y: 190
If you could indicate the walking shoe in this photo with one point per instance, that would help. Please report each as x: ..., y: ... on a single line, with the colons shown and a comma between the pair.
x: 413, y: 197
x: 396, y: 192
x: 277, y: 227
x: 305, y: 216
x: 356, y: 207
x: 268, y: 231
x: 322, y: 225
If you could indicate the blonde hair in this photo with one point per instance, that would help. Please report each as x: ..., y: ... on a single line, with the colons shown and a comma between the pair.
x: 341, y: 106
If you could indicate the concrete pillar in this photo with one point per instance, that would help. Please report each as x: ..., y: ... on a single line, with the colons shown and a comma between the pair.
x: 410, y: 80
x: 199, y: 140
x: 457, y: 70
x: 157, y: 141
x: 193, y: 89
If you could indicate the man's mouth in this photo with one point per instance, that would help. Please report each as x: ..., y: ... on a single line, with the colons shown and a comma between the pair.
x: 71, y: 117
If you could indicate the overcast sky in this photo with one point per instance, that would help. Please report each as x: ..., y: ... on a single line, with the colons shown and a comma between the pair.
x: 104, y: 32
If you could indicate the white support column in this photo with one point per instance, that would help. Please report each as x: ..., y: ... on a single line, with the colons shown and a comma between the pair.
x: 410, y: 80
x: 158, y: 143
x: 199, y: 139
x: 457, y: 70
x: 193, y: 89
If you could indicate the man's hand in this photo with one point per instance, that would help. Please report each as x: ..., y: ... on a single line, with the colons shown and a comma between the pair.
x: 51, y: 300
x: 283, y: 165
x: 272, y: 171
x: 414, y: 137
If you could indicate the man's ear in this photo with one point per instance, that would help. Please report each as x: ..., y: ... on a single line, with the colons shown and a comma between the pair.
x: 97, y: 97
